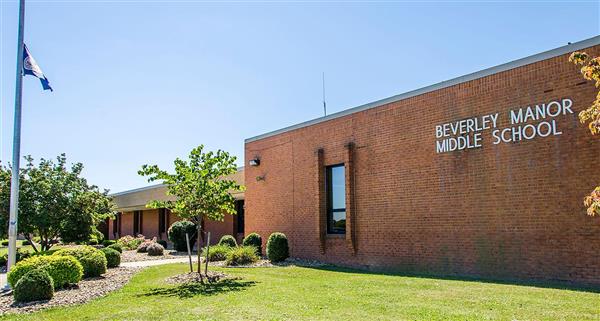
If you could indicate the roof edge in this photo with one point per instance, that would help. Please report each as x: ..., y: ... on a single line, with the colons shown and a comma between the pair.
x: 441, y: 85
x: 139, y: 189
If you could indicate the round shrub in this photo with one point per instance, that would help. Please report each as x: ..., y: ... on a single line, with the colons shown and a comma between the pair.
x: 253, y: 239
x: 108, y: 243
x: 113, y: 257
x: 117, y: 247
x: 277, y: 247
x: 155, y: 249
x: 177, y: 232
x: 217, y: 253
x: 93, y: 260
x: 228, y: 240
x: 242, y: 255
x: 35, y: 285
x: 64, y: 270
x: 143, y: 247
x: 163, y: 243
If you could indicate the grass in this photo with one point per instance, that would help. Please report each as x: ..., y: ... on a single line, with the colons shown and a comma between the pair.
x: 28, y: 248
x: 4, y: 249
x: 296, y: 293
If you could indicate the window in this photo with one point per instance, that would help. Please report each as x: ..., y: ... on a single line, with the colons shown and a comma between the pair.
x: 162, y: 220
x: 335, y: 187
x: 116, y: 227
x: 239, y: 207
x: 137, y: 223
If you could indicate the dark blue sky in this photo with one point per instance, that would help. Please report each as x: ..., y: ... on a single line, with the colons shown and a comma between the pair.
x: 144, y: 82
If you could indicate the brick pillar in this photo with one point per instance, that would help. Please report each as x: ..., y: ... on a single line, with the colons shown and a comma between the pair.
x: 350, y: 202
x: 321, y: 201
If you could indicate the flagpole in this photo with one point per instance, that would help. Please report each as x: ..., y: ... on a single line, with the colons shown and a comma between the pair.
x: 14, y: 183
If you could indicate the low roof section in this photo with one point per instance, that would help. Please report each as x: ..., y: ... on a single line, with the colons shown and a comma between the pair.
x: 136, y: 199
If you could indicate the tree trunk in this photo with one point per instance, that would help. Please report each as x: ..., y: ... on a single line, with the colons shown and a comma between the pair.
x: 198, y: 250
x: 30, y: 239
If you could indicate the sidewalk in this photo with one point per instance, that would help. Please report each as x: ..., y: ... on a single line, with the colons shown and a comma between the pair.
x: 158, y: 262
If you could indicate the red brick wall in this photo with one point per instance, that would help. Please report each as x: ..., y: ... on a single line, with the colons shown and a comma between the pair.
x: 509, y: 211
x: 150, y: 225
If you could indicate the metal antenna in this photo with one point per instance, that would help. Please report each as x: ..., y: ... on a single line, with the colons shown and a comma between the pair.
x: 324, y: 103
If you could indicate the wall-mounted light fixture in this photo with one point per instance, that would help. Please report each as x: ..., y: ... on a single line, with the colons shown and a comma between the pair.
x: 254, y: 162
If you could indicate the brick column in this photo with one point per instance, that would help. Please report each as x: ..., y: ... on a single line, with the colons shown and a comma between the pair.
x: 350, y: 202
x: 321, y: 201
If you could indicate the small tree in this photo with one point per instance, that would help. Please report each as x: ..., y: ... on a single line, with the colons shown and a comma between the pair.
x: 201, y: 189
x: 54, y: 202
x: 590, y: 69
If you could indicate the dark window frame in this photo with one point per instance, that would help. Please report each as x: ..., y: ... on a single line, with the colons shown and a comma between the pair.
x: 162, y: 221
x: 329, y: 199
x: 240, y: 207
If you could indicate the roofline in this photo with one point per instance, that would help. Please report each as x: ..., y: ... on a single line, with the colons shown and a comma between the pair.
x: 444, y: 84
x: 140, y: 189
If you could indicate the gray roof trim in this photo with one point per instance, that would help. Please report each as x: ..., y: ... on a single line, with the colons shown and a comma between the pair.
x: 455, y: 81
x: 137, y: 190
x: 239, y: 169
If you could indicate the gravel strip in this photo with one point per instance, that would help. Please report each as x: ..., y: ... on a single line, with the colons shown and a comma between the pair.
x: 85, y: 291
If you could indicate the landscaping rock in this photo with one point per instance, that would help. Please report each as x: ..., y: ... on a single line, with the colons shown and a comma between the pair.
x: 85, y: 291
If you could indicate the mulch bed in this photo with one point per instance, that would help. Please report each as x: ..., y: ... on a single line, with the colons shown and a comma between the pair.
x: 193, y: 277
x: 86, y: 290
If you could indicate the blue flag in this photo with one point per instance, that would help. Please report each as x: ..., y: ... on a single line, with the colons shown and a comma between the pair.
x: 30, y: 67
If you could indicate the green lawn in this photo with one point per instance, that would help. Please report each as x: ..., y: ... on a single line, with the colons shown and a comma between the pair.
x: 28, y: 248
x: 4, y: 249
x: 295, y: 293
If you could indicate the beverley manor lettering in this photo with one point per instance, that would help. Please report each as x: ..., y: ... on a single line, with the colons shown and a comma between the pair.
x: 466, y: 133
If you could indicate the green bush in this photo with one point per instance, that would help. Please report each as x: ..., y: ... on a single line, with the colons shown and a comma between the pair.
x: 97, y: 235
x: 108, y: 243
x: 4, y: 260
x: 35, y: 285
x: 163, y: 243
x: 4, y: 243
x: 177, y: 232
x: 129, y: 242
x: 277, y: 247
x: 254, y: 239
x: 93, y: 260
x: 242, y: 255
x: 117, y: 247
x: 113, y: 257
x: 217, y: 253
x: 228, y: 240
x: 92, y: 241
x: 155, y: 249
x: 64, y: 270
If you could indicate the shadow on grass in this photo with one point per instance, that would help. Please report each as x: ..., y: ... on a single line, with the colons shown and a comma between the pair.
x: 192, y: 289
x: 558, y: 285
